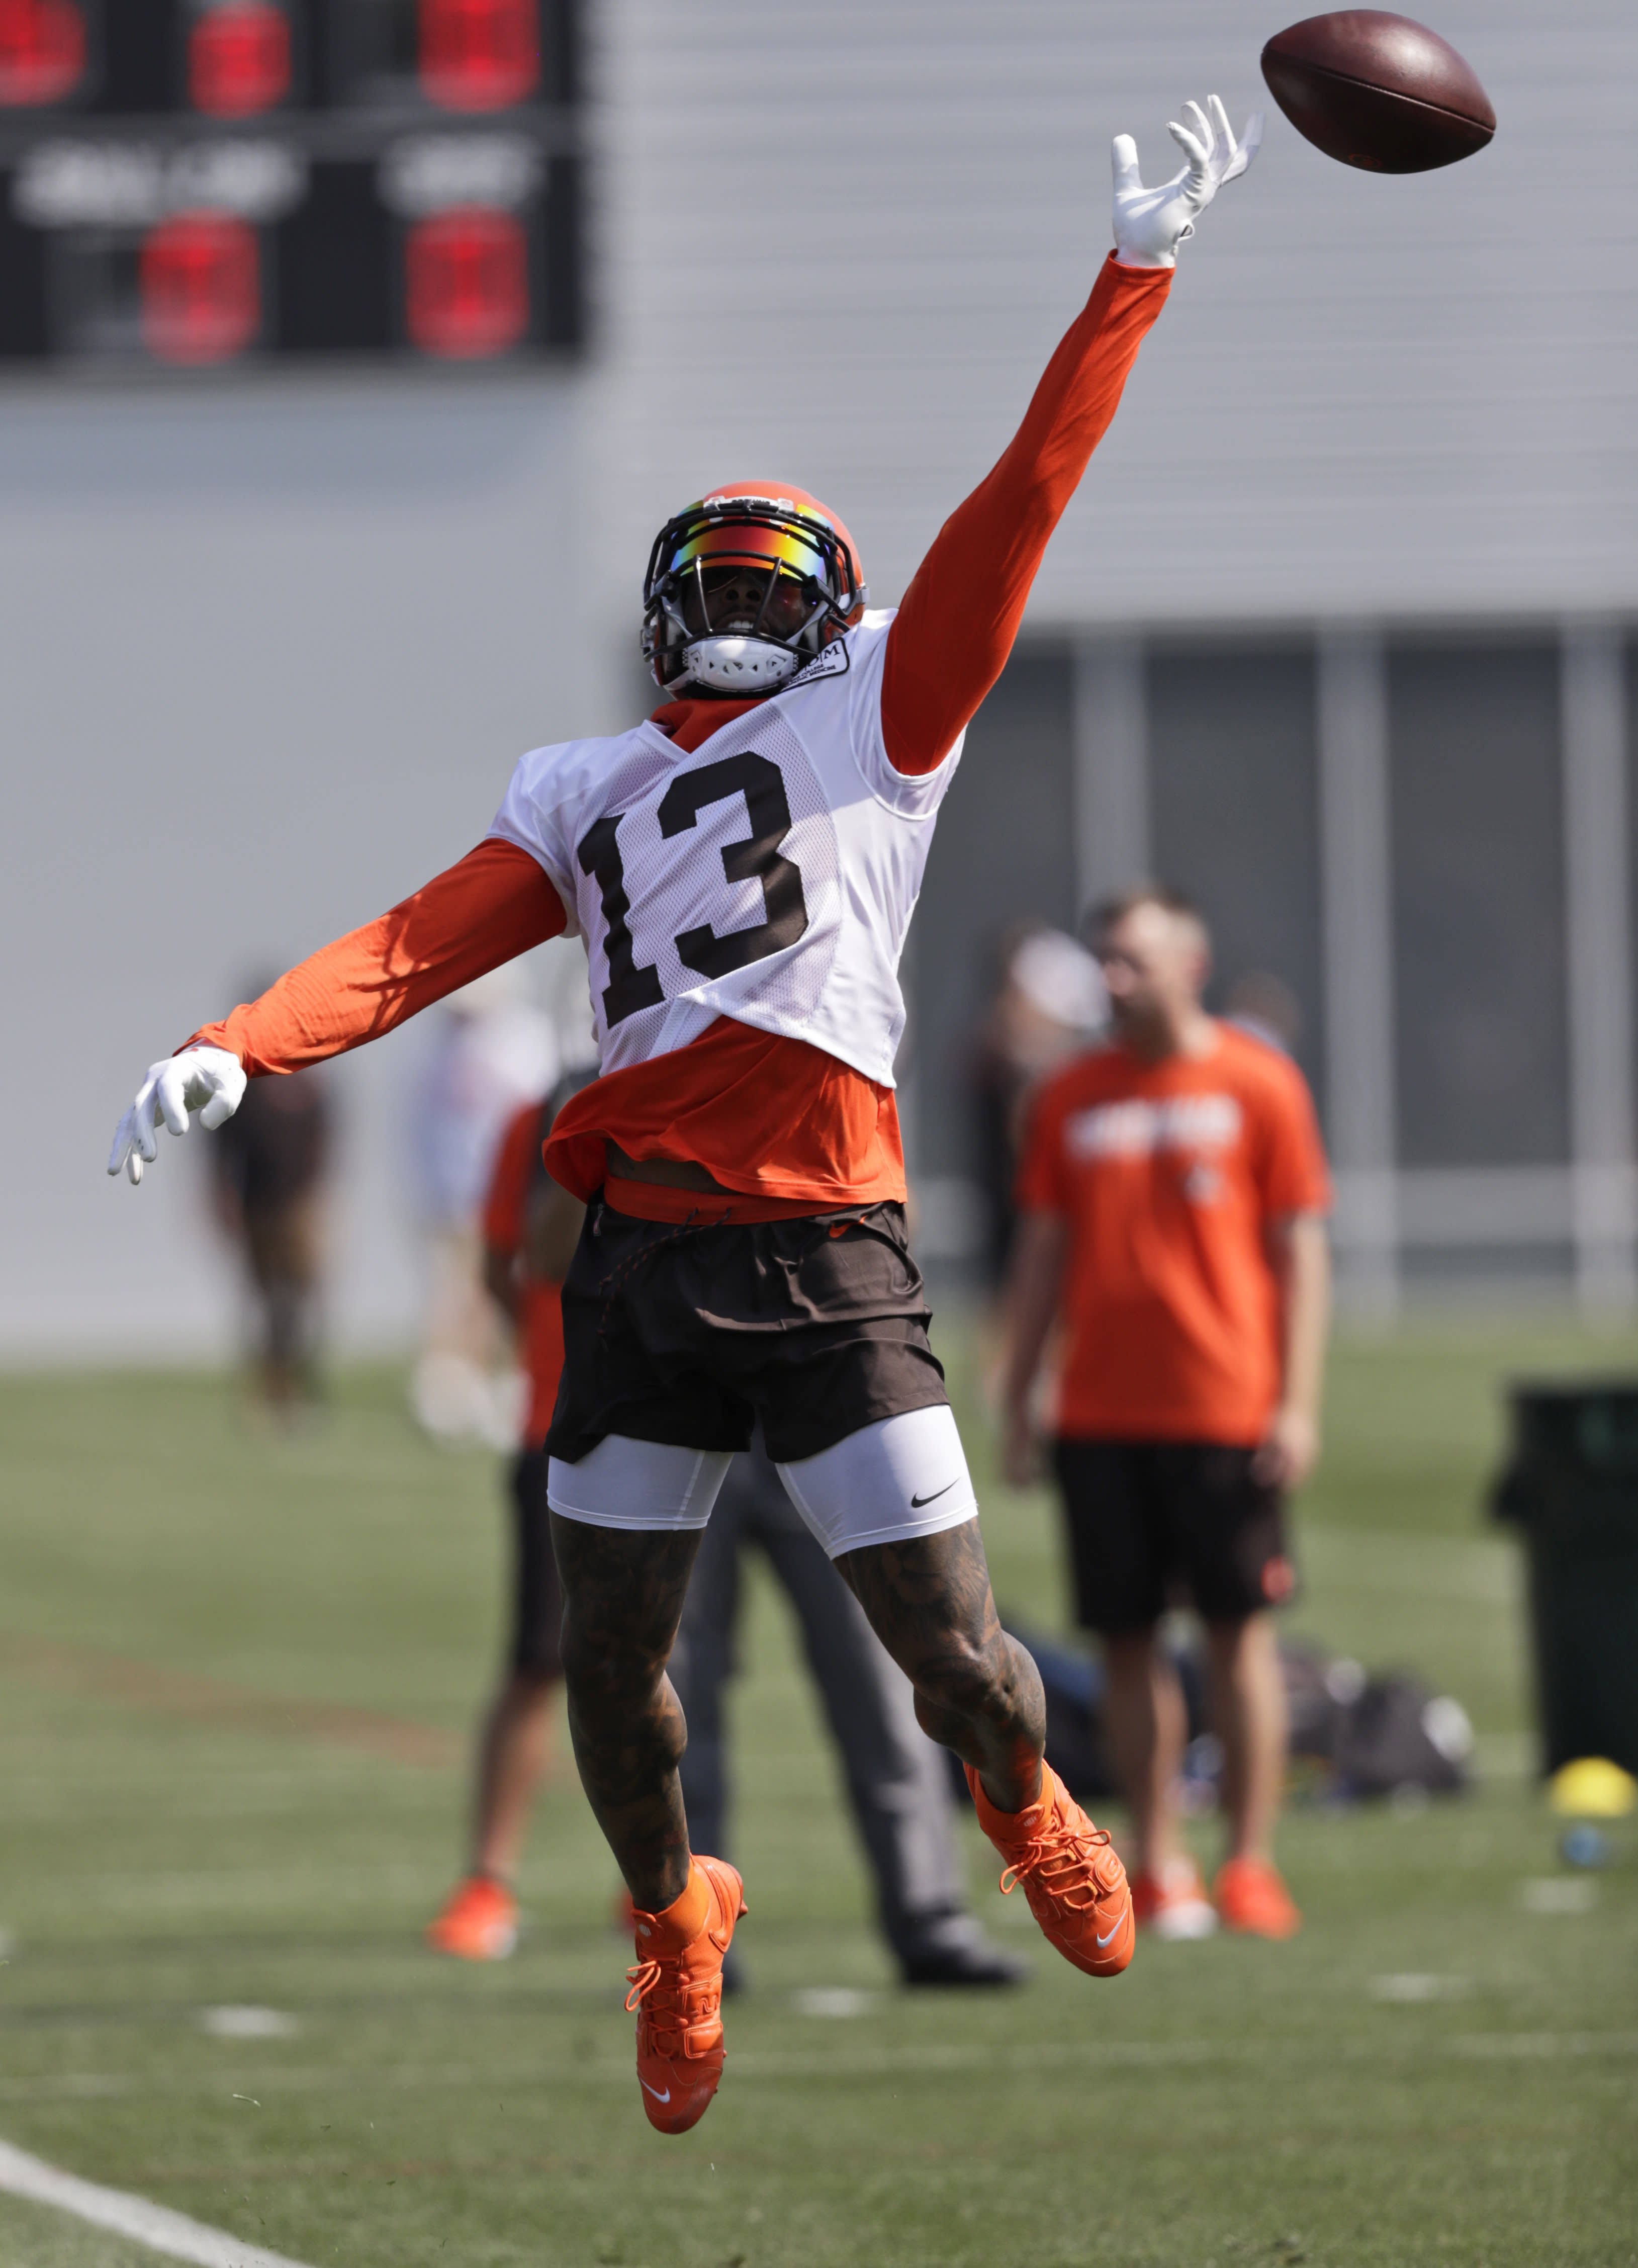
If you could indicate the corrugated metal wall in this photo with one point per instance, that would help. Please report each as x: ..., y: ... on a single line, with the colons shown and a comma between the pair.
x: 843, y: 240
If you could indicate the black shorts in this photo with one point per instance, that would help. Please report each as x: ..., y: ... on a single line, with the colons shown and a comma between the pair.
x: 1160, y: 1524
x: 537, y: 1633
x: 689, y: 1336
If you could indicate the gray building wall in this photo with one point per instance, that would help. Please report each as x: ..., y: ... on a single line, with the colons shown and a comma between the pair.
x: 846, y: 240
x: 267, y: 655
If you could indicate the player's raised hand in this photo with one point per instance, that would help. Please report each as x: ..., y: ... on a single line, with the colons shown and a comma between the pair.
x: 205, y: 1081
x: 1151, y: 224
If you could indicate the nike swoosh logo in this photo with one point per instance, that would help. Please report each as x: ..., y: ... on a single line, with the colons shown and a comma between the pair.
x: 916, y: 1502
x: 1114, y: 1933
x: 659, y: 2097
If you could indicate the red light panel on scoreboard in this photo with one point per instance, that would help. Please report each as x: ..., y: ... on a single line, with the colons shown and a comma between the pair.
x: 238, y: 58
x: 480, y: 54
x: 43, y: 51
x: 468, y: 283
x: 200, y: 288
x: 187, y: 183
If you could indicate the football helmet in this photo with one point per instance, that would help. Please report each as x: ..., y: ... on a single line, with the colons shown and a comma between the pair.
x: 744, y: 587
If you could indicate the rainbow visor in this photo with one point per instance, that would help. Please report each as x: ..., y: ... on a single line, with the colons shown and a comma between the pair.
x: 735, y: 543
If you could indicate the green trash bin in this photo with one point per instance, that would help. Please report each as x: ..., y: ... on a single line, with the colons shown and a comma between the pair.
x: 1571, y: 1488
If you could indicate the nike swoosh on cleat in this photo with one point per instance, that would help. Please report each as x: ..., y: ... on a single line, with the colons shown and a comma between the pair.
x: 916, y: 1502
x: 1114, y: 1933
x: 659, y: 2097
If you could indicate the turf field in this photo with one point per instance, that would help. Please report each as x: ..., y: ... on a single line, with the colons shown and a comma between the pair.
x: 231, y: 1781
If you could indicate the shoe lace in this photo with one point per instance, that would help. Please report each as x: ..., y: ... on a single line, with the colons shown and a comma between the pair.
x: 642, y: 1980
x: 682, y: 2001
x: 1060, y: 1857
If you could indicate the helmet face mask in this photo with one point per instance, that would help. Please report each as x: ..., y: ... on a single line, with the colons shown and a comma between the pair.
x: 743, y: 589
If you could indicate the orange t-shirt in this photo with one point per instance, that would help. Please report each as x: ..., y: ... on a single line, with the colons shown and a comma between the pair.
x: 1169, y: 1175
x: 539, y: 1300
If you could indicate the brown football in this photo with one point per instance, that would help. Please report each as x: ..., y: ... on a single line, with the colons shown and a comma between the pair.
x: 1378, y: 91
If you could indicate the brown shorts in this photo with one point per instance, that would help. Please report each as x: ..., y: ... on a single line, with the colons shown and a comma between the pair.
x: 688, y: 1336
x: 1160, y: 1524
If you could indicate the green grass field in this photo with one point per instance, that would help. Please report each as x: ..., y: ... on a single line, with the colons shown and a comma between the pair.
x: 231, y: 1776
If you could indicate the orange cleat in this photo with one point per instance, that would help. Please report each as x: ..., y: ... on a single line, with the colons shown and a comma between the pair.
x: 1075, y: 1885
x: 1173, y: 1904
x: 676, y: 1991
x: 479, y: 1922
x: 1252, y: 1898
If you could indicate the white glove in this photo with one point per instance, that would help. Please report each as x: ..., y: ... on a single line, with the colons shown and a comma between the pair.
x: 1151, y: 224
x: 205, y: 1081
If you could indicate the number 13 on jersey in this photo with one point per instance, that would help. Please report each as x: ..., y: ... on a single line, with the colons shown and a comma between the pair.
x: 754, y: 858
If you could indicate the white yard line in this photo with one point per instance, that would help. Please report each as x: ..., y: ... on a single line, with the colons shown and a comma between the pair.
x: 172, y: 2233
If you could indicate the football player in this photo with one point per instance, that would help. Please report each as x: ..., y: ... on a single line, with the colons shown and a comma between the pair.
x: 743, y: 866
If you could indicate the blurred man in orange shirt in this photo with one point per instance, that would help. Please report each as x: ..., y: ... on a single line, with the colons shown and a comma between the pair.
x: 1172, y: 1197
x: 530, y: 1226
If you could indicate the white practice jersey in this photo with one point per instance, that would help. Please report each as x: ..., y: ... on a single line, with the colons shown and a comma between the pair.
x: 769, y: 876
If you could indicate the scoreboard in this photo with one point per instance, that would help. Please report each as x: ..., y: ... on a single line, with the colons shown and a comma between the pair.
x: 206, y: 184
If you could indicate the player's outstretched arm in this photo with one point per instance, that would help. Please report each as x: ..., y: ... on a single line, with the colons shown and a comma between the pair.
x: 962, y: 610
x: 495, y: 903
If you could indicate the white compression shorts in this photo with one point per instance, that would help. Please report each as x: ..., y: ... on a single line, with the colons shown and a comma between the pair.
x: 903, y: 1476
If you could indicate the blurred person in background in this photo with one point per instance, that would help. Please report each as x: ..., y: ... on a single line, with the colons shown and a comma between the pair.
x: 494, y: 1051
x: 269, y: 1174
x: 530, y: 1226
x: 1048, y: 1002
x: 1171, y: 1201
x: 898, y: 1779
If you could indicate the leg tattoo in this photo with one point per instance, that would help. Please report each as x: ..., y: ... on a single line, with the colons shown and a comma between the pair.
x: 976, y: 1690
x: 623, y: 1590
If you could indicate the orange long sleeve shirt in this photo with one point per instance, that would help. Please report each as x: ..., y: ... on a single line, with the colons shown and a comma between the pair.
x: 787, y: 1126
